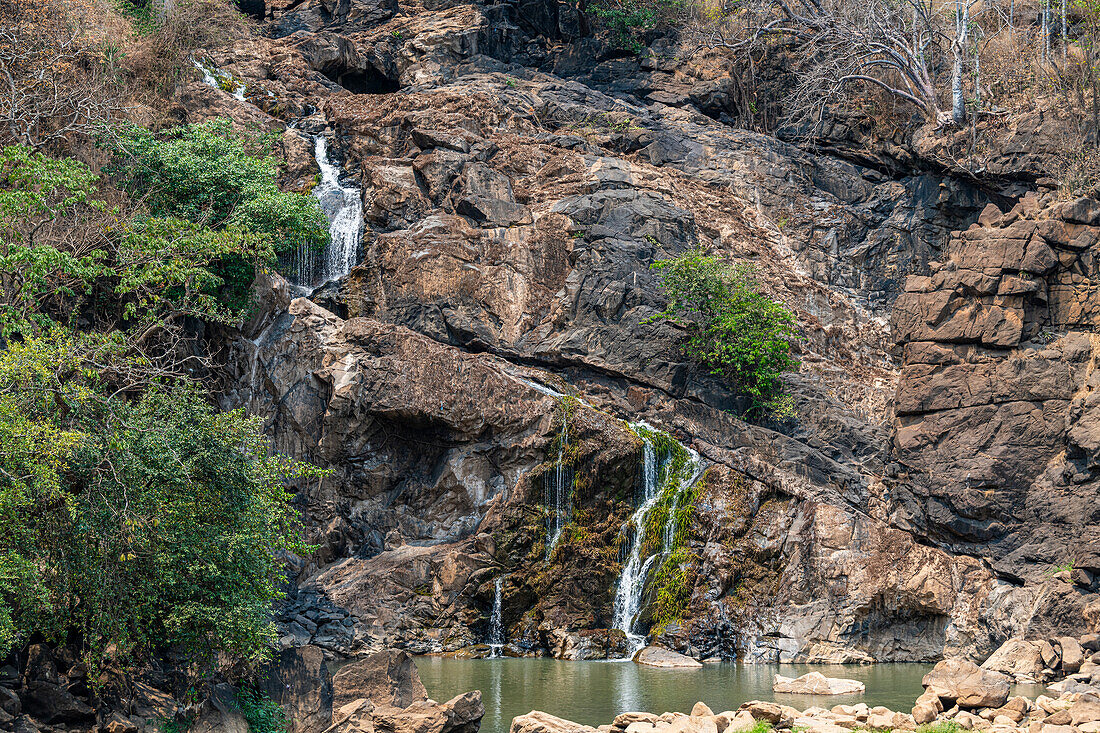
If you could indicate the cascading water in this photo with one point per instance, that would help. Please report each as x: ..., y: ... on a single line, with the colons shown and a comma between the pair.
x: 628, y: 596
x: 660, y: 482
x: 343, y: 206
x: 219, y: 79
x: 558, y: 483
x: 496, y: 625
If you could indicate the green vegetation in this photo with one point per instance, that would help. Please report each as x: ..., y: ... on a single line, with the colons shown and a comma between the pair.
x: 629, y: 22
x: 137, y: 523
x: 262, y: 714
x: 735, y: 330
x: 134, y: 517
x: 761, y: 726
x: 213, y: 176
x: 675, y: 576
x: 940, y: 726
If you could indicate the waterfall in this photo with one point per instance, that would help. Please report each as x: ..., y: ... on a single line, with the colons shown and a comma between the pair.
x: 558, y: 484
x: 496, y: 625
x: 219, y: 79
x: 661, y: 483
x: 343, y: 207
x: 668, y: 534
x: 628, y: 596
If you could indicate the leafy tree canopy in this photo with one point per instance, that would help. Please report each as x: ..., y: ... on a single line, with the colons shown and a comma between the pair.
x: 134, y: 517
x: 209, y: 174
x: 138, y: 524
x: 734, y: 330
x: 63, y: 251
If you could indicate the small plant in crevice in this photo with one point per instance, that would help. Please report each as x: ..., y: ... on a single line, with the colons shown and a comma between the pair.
x: 1063, y: 568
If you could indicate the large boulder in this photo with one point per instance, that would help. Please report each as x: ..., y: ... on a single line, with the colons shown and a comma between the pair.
x: 1071, y: 653
x: 1016, y: 657
x: 816, y: 683
x: 298, y: 679
x: 388, y: 679
x: 961, y: 682
x: 658, y: 656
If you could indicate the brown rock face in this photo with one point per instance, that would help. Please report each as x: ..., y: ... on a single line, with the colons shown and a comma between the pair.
x: 961, y: 682
x: 518, y: 181
x: 995, y: 418
x: 383, y: 693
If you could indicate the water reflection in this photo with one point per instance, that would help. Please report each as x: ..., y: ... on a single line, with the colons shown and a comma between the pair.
x: 594, y: 692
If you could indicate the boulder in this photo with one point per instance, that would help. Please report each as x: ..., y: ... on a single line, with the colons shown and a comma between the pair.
x: 1049, y: 655
x: 700, y: 708
x: 962, y: 682
x: 816, y: 683
x: 692, y: 724
x: 1071, y: 653
x: 622, y: 720
x: 1084, y: 711
x: 659, y: 656
x: 537, y: 721
x: 769, y: 711
x: 221, y: 713
x: 734, y: 722
x: 51, y: 703
x: 1016, y: 657
x: 927, y: 708
x: 387, y: 678
x: 464, y: 712
x: 298, y: 679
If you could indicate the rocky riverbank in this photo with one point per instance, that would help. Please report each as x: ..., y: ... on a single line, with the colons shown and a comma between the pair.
x: 50, y: 693
x: 958, y: 695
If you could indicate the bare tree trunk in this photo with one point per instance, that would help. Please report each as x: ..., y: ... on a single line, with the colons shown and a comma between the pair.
x: 958, y: 48
x: 1065, y: 33
x: 1044, y: 27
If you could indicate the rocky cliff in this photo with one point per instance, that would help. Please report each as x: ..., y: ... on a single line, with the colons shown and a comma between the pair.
x: 475, y: 378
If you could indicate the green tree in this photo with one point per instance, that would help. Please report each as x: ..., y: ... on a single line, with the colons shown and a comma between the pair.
x: 51, y: 241
x: 133, y: 516
x: 209, y: 174
x: 734, y: 330
x: 138, y: 524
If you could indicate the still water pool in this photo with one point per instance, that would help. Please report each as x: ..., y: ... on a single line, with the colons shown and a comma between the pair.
x: 595, y: 692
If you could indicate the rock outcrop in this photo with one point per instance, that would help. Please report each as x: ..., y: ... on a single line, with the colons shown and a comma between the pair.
x: 517, y: 186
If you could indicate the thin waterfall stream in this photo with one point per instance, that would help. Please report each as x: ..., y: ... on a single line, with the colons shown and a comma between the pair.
x: 664, y: 480
x: 496, y: 625
x: 558, y: 484
x: 343, y: 205
x: 628, y: 596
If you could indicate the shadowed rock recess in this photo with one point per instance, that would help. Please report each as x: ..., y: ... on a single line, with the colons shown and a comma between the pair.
x: 493, y: 348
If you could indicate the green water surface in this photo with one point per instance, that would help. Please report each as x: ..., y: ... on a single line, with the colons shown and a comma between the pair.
x: 593, y: 693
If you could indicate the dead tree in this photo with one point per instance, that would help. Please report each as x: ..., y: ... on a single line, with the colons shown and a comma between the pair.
x: 50, y: 82
x: 896, y: 45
